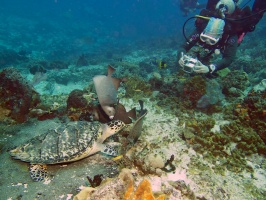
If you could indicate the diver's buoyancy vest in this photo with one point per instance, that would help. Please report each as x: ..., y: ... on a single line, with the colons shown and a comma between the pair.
x: 234, y: 24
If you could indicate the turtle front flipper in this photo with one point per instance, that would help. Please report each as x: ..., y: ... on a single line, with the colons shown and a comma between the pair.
x: 109, y: 150
x: 38, y: 172
x: 105, y: 149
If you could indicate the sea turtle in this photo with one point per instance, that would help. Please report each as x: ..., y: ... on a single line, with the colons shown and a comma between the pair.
x: 69, y: 142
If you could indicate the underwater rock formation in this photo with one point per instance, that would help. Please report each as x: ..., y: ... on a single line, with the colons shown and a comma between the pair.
x: 255, y: 105
x: 51, y: 106
x: 122, y: 187
x: 79, y: 105
x: 82, y: 61
x: 235, y: 83
x: 35, y: 67
x: 233, y: 142
x: 213, y: 95
x: 143, y: 191
x: 76, y: 100
x: 261, y: 86
x: 9, y: 57
x: 57, y: 64
x: 16, y: 95
x: 137, y: 87
x: 193, y: 90
x: 62, y: 77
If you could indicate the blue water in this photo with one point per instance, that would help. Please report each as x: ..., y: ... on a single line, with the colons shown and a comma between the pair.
x: 66, y: 27
x: 59, y: 29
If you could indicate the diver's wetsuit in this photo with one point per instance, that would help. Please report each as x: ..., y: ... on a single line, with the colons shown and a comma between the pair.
x: 229, y: 42
x: 203, y: 52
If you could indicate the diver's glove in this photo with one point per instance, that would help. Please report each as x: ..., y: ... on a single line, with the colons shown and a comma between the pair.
x: 182, y: 59
x: 203, y: 69
x: 186, y: 60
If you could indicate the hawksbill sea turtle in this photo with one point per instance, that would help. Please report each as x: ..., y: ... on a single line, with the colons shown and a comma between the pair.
x: 69, y: 142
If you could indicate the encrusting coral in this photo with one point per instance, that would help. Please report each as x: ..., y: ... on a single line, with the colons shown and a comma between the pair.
x: 122, y: 187
x: 143, y: 192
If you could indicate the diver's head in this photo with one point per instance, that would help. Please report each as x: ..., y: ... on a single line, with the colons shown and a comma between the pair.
x: 226, y: 7
x: 213, y: 31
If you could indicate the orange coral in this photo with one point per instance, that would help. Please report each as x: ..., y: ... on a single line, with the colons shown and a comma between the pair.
x: 143, y: 192
x: 130, y: 191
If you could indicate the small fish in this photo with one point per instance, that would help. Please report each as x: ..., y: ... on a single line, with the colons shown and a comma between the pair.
x: 159, y: 63
x: 117, y: 158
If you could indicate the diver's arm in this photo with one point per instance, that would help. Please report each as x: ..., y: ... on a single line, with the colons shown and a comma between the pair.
x: 187, y: 45
x: 229, y: 53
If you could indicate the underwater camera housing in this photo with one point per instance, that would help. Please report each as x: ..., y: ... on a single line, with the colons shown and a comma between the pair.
x: 189, y: 63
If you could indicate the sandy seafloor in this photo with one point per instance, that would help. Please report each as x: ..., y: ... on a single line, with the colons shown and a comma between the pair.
x: 158, y: 125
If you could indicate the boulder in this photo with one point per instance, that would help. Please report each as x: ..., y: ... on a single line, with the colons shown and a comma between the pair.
x: 17, y: 96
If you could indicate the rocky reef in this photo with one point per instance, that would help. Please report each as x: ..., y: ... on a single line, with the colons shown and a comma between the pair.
x: 17, y: 96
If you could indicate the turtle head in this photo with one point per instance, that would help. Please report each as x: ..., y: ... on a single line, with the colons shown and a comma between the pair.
x: 110, y: 129
x: 116, y: 125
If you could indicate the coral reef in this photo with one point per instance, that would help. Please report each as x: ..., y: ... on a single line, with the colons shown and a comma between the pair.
x: 58, y: 64
x: 17, y: 95
x: 121, y: 187
x: 213, y: 95
x: 109, y: 189
x: 51, y: 106
x: 228, y: 147
x: 84, y: 193
x: 193, y: 90
x: 255, y: 104
x: 137, y: 88
x: 10, y: 57
x: 197, y: 142
x: 37, y: 66
x: 143, y: 191
x: 235, y: 83
x: 76, y: 100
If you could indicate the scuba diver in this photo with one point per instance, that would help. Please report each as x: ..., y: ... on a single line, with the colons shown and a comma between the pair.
x: 187, y: 6
x: 220, y: 29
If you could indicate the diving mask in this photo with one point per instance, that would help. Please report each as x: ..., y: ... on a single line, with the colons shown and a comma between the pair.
x: 208, y: 39
x: 213, y: 31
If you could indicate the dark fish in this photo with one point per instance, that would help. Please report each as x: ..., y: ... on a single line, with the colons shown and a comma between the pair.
x: 135, y: 132
x: 98, y: 114
x: 120, y: 113
x: 123, y: 115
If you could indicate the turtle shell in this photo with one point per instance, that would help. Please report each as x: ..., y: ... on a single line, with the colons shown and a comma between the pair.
x: 65, y: 143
